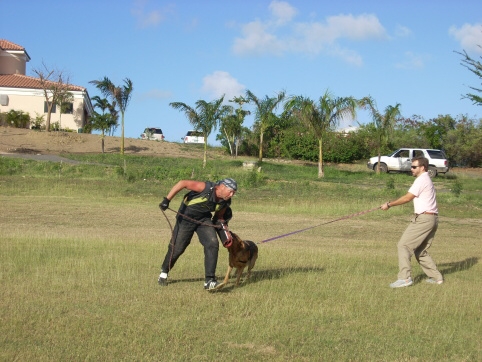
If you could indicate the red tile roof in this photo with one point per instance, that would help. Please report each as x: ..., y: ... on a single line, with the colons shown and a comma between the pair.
x: 8, y: 45
x: 23, y: 81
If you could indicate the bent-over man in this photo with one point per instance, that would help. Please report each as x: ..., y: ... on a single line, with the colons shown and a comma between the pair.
x: 195, y: 216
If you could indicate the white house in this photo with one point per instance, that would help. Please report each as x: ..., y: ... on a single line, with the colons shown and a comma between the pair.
x: 345, y: 132
x: 23, y: 93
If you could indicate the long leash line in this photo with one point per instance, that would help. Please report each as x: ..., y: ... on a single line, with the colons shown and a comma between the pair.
x: 275, y: 237
x: 324, y: 223
x: 171, y: 242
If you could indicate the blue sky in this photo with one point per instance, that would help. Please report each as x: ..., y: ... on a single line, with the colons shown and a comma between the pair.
x: 186, y: 50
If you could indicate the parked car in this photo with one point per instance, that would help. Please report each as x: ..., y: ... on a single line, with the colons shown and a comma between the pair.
x: 193, y: 137
x: 401, y: 160
x: 152, y: 133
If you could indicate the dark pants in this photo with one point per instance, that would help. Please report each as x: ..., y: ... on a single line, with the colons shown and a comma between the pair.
x: 181, y: 238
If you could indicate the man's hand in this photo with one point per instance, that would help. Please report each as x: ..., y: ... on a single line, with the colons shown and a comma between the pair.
x: 385, y: 206
x: 164, y: 205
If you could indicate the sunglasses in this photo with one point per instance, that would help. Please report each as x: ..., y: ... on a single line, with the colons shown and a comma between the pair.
x: 414, y: 167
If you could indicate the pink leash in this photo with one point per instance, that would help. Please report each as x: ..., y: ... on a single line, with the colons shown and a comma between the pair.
x: 279, y: 236
x: 324, y: 223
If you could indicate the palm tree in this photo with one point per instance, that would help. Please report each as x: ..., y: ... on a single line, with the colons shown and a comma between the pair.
x: 383, y: 123
x: 102, y: 122
x: 64, y: 101
x: 101, y: 103
x: 231, y: 126
x: 322, y: 116
x: 204, y: 117
x: 120, y: 95
x: 264, y: 113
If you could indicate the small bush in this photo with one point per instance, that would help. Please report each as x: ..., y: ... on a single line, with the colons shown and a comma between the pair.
x: 457, y: 188
x: 37, y: 122
x: 17, y: 119
x: 390, y: 184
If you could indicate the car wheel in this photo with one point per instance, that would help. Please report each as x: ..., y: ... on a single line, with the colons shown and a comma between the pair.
x: 383, y: 168
x: 432, y: 171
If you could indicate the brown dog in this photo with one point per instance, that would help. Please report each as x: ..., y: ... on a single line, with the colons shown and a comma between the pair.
x: 242, y: 253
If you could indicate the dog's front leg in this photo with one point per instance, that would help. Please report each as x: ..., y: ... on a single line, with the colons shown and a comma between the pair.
x: 226, y: 278
x: 239, y: 272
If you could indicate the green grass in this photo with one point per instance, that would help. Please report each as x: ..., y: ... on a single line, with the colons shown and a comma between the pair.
x: 80, y: 252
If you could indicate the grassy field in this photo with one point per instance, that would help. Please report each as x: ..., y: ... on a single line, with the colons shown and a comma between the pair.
x: 81, y: 247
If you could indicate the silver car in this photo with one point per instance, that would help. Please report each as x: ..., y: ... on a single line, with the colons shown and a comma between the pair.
x: 152, y: 133
x: 401, y: 160
x: 193, y: 137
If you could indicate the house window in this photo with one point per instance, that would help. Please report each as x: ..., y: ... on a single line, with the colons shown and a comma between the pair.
x: 68, y: 108
x: 46, y: 109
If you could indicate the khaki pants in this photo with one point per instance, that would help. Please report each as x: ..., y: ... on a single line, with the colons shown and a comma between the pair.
x: 416, y: 240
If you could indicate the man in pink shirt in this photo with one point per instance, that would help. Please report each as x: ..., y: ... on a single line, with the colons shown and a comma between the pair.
x: 419, y: 235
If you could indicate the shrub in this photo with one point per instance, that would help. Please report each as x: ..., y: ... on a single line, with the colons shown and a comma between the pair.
x: 456, y: 188
x: 37, y: 122
x: 17, y: 119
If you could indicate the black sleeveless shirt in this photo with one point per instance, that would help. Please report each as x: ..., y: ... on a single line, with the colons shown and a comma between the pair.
x: 200, y: 205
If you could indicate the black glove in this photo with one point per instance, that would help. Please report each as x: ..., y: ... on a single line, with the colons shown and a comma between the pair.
x: 164, y: 205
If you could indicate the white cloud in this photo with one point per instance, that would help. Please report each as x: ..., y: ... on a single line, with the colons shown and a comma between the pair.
x: 220, y: 82
x: 257, y: 40
x: 282, y: 11
x: 348, y: 55
x: 365, y: 26
x: 469, y: 36
x: 147, y: 18
x: 283, y: 35
x: 313, y: 38
x: 402, y: 31
x: 412, y: 61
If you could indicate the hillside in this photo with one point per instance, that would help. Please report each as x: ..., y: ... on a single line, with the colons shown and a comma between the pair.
x: 19, y: 141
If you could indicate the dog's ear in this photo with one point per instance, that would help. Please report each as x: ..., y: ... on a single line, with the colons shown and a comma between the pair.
x: 236, y: 237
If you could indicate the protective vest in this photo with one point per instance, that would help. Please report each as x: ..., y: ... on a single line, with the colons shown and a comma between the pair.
x: 199, y: 205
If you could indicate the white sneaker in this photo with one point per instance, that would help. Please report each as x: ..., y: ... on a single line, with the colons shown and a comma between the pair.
x: 433, y: 281
x: 400, y: 283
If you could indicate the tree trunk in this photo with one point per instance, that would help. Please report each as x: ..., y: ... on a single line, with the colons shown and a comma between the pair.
x: 320, y: 159
x: 205, y: 151
x: 229, y: 142
x: 379, y: 153
x: 47, y: 122
x: 122, y: 135
x: 379, y: 159
x: 260, y: 159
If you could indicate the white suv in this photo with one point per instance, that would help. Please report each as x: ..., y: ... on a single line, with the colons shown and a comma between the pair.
x: 193, y: 137
x: 152, y: 133
x: 401, y: 160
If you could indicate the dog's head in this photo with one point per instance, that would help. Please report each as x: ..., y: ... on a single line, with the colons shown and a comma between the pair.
x: 234, y: 240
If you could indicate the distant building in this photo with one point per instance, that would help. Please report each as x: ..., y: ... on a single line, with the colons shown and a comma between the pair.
x: 23, y: 93
x: 347, y: 130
